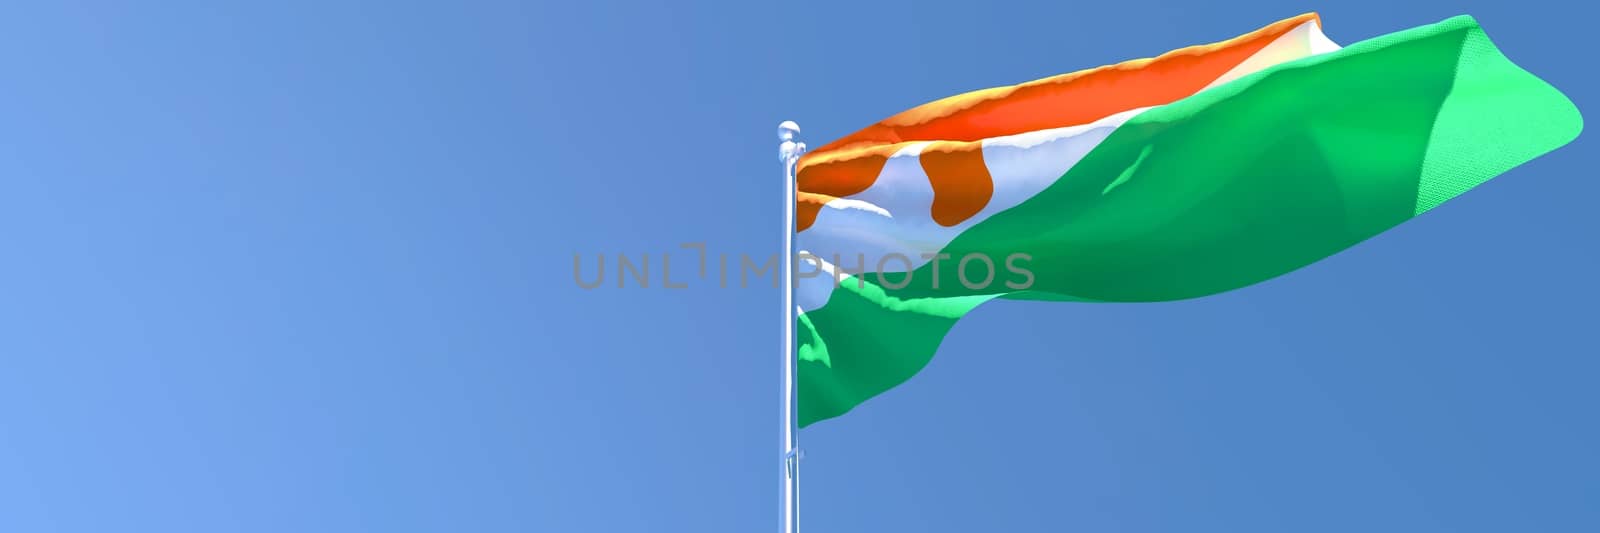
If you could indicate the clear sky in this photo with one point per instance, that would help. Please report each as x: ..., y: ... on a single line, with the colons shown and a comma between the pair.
x: 307, y: 266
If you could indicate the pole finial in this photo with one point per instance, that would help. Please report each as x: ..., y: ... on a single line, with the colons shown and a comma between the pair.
x: 790, y: 148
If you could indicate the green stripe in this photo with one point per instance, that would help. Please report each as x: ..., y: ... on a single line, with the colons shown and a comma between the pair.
x: 1227, y: 188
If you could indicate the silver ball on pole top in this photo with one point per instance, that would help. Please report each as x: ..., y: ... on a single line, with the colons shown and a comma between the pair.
x: 790, y: 148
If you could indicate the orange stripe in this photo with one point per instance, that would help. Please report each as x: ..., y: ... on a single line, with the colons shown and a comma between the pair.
x: 833, y: 177
x: 807, y: 205
x: 851, y: 164
x: 960, y: 180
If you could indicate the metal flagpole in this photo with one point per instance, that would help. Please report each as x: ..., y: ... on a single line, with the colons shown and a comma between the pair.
x: 789, y: 152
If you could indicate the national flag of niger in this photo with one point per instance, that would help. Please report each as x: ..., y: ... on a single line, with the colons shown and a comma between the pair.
x: 1202, y: 170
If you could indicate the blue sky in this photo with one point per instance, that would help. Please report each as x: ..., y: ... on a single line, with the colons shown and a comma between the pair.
x: 306, y: 266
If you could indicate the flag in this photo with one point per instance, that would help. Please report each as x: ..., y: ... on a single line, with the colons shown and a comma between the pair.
x: 1203, y: 170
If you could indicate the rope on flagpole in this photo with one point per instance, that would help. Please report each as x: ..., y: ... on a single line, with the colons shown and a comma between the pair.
x: 789, y: 151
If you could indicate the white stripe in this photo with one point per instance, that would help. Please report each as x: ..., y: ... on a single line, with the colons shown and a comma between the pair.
x: 1305, y: 40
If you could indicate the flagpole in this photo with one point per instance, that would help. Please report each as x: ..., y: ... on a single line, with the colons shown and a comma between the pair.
x: 789, y: 151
